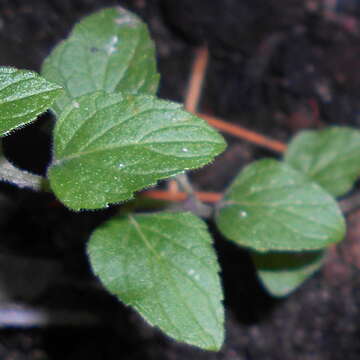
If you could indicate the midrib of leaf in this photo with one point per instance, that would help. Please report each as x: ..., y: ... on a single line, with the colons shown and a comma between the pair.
x: 143, y: 237
x: 144, y: 143
x: 314, y: 166
x: 178, y: 245
x: 288, y: 229
x: 171, y: 279
x: 184, y: 124
x: 189, y: 310
x: 124, y: 71
x: 25, y: 97
x: 313, y: 162
x: 256, y: 192
x: 119, y: 146
x: 108, y: 129
x: 127, y: 237
x: 308, y: 219
x: 325, y: 177
x: 296, y: 231
x: 160, y: 262
x: 17, y: 82
x: 160, y: 303
x: 91, y: 118
x: 273, y: 204
x: 281, y: 207
x: 335, y: 158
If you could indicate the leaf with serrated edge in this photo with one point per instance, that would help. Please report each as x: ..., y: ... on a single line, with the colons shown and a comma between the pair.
x: 23, y: 96
x: 271, y: 206
x: 110, y: 50
x: 330, y: 157
x: 164, y: 266
x: 108, y: 146
x: 282, y: 273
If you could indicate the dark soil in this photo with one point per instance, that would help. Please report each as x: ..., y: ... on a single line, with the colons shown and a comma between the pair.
x: 275, y: 67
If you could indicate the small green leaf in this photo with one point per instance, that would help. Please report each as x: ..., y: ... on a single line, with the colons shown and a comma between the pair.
x: 282, y: 273
x: 330, y: 157
x: 109, y: 145
x: 23, y: 96
x: 110, y: 50
x: 271, y: 206
x: 164, y: 266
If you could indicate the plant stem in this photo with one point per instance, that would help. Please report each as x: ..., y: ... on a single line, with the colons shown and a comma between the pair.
x: 350, y: 204
x: 21, y: 178
x: 24, y: 316
x: 192, y: 202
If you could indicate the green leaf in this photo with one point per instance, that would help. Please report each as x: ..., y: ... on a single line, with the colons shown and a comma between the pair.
x: 23, y: 96
x: 164, y: 266
x: 330, y: 157
x: 109, y: 145
x: 110, y: 50
x: 271, y: 206
x: 282, y: 273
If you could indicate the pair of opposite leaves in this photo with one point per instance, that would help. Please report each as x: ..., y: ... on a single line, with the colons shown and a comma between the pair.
x: 112, y: 136
x: 109, y: 144
x: 110, y: 140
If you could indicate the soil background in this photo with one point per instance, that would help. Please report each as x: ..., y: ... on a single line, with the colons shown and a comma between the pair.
x: 275, y: 67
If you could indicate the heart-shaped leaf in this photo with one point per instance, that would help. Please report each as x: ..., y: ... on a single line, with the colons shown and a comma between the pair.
x: 282, y: 273
x: 271, y: 206
x: 23, y: 96
x: 164, y: 266
x: 330, y: 157
x: 110, y: 50
x: 109, y: 145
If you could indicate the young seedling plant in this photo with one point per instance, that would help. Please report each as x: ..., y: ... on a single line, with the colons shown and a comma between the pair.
x: 113, y: 137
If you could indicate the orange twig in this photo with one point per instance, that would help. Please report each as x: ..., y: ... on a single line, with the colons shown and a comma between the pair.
x: 192, y: 99
x: 196, y: 79
x: 209, y: 197
x: 172, y: 186
x: 243, y: 133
